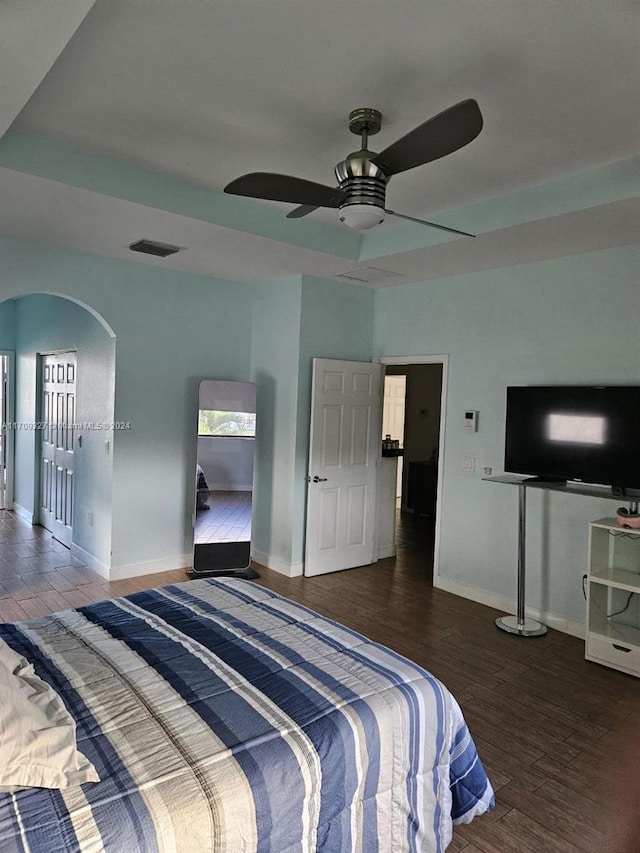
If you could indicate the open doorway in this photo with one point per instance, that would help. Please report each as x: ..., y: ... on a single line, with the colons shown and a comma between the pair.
x: 413, y: 415
x: 60, y: 452
x: 393, y: 418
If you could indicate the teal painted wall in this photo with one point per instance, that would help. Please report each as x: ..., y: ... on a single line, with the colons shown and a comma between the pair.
x: 275, y: 357
x: 172, y: 330
x: 47, y: 324
x: 8, y: 325
x: 572, y: 320
x: 567, y: 320
x: 295, y: 321
x: 336, y: 322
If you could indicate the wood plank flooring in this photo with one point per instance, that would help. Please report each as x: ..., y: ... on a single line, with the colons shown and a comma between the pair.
x: 39, y: 576
x: 558, y: 736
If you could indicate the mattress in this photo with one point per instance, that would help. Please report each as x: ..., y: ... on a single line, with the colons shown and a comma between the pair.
x: 220, y: 716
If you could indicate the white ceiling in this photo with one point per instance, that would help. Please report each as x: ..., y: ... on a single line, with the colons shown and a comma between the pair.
x: 206, y: 91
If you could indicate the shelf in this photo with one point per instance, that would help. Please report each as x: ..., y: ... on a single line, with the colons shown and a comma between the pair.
x: 612, y: 525
x: 613, y: 602
x: 605, y: 599
x: 618, y: 632
x: 618, y: 578
x: 569, y: 488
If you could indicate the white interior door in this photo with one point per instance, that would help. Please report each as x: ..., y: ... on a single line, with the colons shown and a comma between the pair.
x: 394, y: 403
x: 395, y: 392
x: 58, y: 416
x: 344, y: 450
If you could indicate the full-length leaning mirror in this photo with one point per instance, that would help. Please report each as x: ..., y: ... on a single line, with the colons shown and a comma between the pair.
x: 224, y: 478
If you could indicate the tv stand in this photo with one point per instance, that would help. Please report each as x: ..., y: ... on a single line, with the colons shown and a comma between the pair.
x: 519, y: 624
x: 552, y: 480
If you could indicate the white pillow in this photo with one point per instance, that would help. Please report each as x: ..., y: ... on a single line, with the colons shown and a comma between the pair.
x: 37, y: 733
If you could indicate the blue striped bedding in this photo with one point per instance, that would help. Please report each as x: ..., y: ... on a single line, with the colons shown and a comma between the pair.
x: 223, y: 717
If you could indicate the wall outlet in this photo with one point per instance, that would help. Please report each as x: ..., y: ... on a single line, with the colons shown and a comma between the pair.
x: 468, y: 464
x: 90, y: 519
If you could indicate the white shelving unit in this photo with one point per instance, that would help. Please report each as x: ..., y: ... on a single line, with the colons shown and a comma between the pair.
x: 613, y: 596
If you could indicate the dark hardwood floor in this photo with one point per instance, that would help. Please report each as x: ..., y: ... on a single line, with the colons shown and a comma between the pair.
x: 558, y: 736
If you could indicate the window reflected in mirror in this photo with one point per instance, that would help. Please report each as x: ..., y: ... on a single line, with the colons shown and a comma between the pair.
x: 213, y: 422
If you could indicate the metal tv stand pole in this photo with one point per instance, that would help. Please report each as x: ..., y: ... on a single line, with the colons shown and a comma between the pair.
x: 519, y: 624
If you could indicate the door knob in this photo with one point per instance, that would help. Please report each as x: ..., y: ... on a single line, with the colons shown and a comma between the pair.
x: 317, y: 479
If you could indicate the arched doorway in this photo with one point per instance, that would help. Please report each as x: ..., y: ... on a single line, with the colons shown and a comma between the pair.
x: 53, y: 338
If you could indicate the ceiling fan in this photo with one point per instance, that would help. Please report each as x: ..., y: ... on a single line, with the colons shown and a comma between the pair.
x: 363, y: 176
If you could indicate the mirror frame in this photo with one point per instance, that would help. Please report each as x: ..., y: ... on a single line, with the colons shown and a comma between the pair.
x: 224, y: 558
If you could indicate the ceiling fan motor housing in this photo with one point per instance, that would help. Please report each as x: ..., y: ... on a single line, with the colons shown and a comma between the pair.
x: 365, y: 185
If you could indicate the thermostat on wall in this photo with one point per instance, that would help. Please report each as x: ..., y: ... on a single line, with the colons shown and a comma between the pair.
x: 471, y: 420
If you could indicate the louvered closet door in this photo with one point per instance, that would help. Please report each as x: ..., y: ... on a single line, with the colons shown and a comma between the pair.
x: 58, y: 414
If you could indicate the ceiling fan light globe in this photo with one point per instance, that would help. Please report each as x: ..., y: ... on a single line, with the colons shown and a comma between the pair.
x: 361, y: 217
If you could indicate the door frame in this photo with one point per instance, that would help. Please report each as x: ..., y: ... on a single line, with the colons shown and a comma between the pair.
x: 443, y: 360
x: 10, y: 433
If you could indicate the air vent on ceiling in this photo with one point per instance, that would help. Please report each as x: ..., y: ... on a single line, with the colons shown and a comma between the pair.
x: 368, y: 275
x: 151, y: 247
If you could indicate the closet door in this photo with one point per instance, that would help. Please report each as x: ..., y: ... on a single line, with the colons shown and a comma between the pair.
x: 58, y: 413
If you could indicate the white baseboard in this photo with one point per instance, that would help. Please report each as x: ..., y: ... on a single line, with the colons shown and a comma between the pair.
x: 291, y: 570
x: 21, y: 512
x: 90, y: 561
x: 501, y: 602
x: 227, y: 487
x: 134, y: 570
x: 386, y: 551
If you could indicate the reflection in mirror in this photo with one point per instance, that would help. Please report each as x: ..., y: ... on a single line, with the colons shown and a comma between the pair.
x: 224, y: 479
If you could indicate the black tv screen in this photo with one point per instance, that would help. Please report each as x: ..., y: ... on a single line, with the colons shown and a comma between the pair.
x: 585, y: 433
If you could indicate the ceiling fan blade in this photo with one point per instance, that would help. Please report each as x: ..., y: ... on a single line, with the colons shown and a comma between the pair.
x: 443, y: 134
x: 430, y: 224
x: 285, y: 188
x: 303, y: 210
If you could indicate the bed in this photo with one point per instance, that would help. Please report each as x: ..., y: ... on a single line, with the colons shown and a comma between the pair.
x: 220, y: 716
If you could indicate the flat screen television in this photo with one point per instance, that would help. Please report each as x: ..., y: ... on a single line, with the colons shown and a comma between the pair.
x: 586, y: 433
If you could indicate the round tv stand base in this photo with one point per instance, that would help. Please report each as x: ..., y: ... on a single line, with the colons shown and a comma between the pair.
x: 524, y: 628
